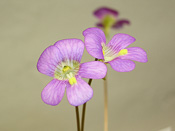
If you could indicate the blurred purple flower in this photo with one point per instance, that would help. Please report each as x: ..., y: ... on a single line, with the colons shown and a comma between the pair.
x: 115, y: 52
x: 109, y: 18
x: 62, y: 62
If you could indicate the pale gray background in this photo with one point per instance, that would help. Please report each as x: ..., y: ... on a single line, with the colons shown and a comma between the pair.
x: 141, y: 100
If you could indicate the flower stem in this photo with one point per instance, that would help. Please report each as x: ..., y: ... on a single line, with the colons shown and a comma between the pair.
x: 105, y: 105
x: 84, y: 106
x: 106, y: 31
x: 84, y: 110
x: 78, y: 118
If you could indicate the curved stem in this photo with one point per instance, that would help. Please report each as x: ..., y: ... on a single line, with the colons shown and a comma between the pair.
x: 84, y: 111
x: 84, y: 107
x: 105, y: 105
x: 78, y: 118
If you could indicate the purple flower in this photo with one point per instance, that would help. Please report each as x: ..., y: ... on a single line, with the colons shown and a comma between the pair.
x: 109, y: 18
x: 62, y: 62
x: 115, y: 52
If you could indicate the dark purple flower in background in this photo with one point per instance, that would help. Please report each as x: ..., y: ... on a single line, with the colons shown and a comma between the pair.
x: 109, y: 18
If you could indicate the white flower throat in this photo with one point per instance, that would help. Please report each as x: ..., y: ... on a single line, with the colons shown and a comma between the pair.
x: 67, y: 71
x: 110, y: 52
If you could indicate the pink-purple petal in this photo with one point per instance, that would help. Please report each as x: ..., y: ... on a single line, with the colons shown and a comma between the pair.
x: 93, y: 70
x: 136, y: 54
x: 103, y: 11
x: 120, y: 41
x: 119, y: 24
x: 71, y: 49
x: 53, y: 93
x: 49, y: 60
x: 122, y: 65
x: 94, y: 37
x: 79, y: 93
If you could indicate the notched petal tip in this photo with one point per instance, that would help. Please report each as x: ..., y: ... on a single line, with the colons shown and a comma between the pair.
x: 94, y: 30
x: 79, y: 93
x: 94, y: 37
x: 71, y: 49
x: 48, y: 60
x: 53, y: 93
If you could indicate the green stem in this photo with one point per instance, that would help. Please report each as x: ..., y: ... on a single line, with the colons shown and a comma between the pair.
x: 84, y: 106
x: 105, y: 105
x: 78, y: 118
x: 106, y: 31
x: 84, y: 110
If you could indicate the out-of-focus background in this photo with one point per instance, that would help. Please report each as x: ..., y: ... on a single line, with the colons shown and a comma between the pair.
x: 141, y: 100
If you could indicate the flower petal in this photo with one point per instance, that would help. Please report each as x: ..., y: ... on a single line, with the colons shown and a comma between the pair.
x: 119, y: 24
x: 135, y: 53
x: 93, y: 70
x: 94, y: 37
x: 122, y: 65
x: 99, y: 25
x: 53, y: 93
x: 49, y: 60
x: 101, y: 12
x: 71, y: 49
x: 120, y: 41
x: 79, y: 93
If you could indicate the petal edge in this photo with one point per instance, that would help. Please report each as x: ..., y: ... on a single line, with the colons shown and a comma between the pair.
x: 120, y: 41
x: 49, y: 60
x: 121, y: 65
x: 79, y: 93
x: 94, y: 37
x: 53, y: 93
x: 93, y: 70
x: 136, y: 54
x: 71, y: 49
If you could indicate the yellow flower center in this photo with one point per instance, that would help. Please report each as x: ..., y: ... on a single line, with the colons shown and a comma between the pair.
x: 123, y: 52
x: 72, y: 81
x: 110, y: 54
x: 66, y: 68
x: 103, y: 52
